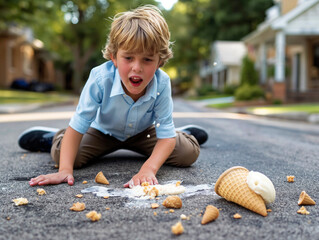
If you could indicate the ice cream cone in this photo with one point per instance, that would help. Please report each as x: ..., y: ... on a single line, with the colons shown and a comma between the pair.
x: 305, y: 199
x: 233, y: 187
x: 211, y: 214
x: 100, y: 178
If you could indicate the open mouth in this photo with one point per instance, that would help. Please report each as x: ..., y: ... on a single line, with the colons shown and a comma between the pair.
x: 136, y: 81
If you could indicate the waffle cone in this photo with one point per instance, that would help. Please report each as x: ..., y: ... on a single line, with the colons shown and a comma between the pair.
x: 232, y: 186
x: 305, y: 199
x: 211, y: 214
x: 100, y: 178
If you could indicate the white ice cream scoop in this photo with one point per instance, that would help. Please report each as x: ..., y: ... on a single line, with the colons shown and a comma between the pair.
x: 261, y: 185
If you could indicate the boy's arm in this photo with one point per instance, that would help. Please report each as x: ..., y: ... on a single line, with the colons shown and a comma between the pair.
x: 69, y: 148
x: 162, y: 150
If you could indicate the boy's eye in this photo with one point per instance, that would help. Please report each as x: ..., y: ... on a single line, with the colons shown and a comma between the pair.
x: 148, y: 59
x: 128, y: 58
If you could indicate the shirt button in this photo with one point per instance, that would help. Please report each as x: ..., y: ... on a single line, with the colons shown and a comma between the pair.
x: 130, y: 125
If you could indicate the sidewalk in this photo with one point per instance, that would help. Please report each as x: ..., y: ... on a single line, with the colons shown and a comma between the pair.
x: 28, y: 107
x: 293, y: 116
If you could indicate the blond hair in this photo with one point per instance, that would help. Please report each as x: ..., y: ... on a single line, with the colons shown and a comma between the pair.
x: 141, y: 30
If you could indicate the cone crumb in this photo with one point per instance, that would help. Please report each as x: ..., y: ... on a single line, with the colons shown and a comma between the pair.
x: 94, y: 216
x: 41, y: 191
x: 106, y: 197
x: 178, y: 228
x: 303, y: 211
x: 154, y: 205
x: 85, y: 182
x: 107, y: 208
x: 77, y: 207
x: 237, y: 216
x: 290, y: 178
x: 171, y: 211
x: 269, y: 210
x: 20, y: 201
x: 184, y: 217
x: 155, y: 213
x: 79, y: 195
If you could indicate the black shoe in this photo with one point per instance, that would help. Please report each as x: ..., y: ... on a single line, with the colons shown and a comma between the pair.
x: 199, y: 133
x: 37, y: 139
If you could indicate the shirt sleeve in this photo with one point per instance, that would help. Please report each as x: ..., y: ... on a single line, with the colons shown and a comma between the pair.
x: 89, y: 103
x: 163, y: 109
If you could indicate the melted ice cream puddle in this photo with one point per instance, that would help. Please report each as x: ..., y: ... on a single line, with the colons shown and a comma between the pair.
x: 138, y: 193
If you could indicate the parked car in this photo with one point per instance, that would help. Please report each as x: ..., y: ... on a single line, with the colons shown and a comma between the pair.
x: 34, y: 85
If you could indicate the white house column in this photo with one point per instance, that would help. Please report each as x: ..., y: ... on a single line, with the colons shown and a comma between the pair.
x: 280, y: 57
x: 215, y: 79
x: 263, y: 63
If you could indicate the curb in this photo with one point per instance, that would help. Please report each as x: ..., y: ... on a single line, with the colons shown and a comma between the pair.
x: 27, y: 107
x: 291, y: 116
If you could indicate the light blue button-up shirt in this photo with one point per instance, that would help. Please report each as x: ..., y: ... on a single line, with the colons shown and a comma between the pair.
x: 103, y: 105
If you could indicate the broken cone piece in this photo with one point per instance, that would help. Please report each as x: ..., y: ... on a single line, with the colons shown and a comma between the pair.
x: 100, y: 178
x: 211, y: 214
x: 305, y: 199
x: 173, y: 202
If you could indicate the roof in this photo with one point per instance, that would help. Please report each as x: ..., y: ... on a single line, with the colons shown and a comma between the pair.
x: 229, y: 52
x: 274, y: 24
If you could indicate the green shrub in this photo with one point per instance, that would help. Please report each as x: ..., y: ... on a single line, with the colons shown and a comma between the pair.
x: 230, y: 89
x: 247, y: 92
x: 248, y: 74
x: 205, y: 90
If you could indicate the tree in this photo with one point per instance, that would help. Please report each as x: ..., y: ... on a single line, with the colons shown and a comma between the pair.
x: 19, y: 12
x: 192, y: 27
x: 86, y: 28
x: 195, y: 24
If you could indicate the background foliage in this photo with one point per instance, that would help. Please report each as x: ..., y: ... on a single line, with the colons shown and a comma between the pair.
x: 75, y: 31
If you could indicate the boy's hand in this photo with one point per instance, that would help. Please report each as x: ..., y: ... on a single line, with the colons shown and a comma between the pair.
x: 53, y: 178
x: 140, y: 177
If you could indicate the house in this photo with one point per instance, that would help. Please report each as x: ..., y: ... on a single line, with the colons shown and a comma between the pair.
x: 224, y: 67
x: 23, y: 57
x: 285, y: 48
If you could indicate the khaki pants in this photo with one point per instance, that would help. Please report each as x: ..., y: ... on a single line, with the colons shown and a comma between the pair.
x: 95, y: 144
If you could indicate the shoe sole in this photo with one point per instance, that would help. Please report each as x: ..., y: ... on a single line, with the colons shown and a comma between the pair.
x: 194, y: 126
x: 39, y: 129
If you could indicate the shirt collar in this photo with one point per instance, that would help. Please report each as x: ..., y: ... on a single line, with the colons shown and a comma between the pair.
x: 117, y: 88
x: 151, y: 90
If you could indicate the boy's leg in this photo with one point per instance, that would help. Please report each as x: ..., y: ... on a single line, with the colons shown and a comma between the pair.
x: 185, y: 153
x: 94, y: 144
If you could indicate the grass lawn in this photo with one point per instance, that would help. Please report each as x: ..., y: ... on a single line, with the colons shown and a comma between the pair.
x: 307, y: 108
x: 15, y: 96
x: 221, y: 105
x: 213, y: 95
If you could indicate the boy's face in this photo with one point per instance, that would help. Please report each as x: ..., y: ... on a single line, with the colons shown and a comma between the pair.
x: 136, y: 71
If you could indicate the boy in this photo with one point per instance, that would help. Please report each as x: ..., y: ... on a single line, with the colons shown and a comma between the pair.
x: 125, y: 104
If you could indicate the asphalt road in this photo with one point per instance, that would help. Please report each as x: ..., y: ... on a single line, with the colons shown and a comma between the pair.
x: 275, y: 148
